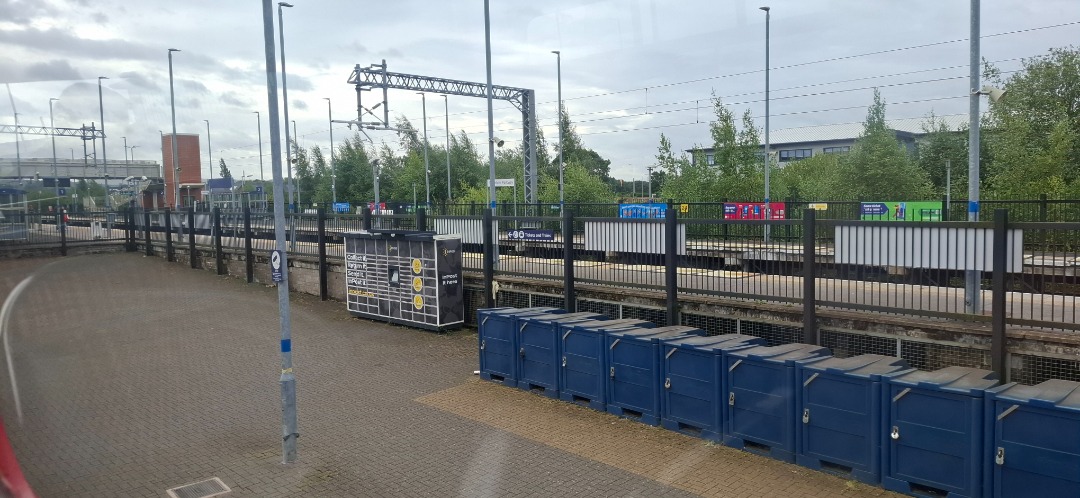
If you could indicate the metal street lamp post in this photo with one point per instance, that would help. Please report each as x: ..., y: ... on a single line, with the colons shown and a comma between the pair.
x: 446, y: 112
x: 558, y: 66
x: 258, y: 121
x: 104, y: 156
x: 172, y: 143
x: 56, y: 174
x: 126, y: 162
x: 209, y: 152
x: 333, y: 171
x: 768, y: 211
x: 427, y: 166
x: 285, y: 113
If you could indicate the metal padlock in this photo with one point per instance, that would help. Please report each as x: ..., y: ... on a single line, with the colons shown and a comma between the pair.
x: 895, y: 432
x: 667, y: 383
x: 999, y: 457
x: 482, y: 345
x: 806, y: 416
x: 564, y: 362
x: 611, y: 372
x: 731, y: 399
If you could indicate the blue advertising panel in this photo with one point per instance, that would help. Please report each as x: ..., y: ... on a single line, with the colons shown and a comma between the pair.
x: 342, y: 207
x: 647, y: 211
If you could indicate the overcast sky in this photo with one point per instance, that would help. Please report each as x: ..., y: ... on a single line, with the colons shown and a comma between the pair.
x: 631, y: 69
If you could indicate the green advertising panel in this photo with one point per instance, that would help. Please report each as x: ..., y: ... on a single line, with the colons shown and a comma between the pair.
x: 901, y: 211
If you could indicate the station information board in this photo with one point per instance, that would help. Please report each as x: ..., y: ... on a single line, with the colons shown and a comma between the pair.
x: 405, y: 277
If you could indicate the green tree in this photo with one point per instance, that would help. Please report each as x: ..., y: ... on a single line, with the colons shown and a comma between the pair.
x: 817, y: 178
x: 574, y: 150
x: 224, y: 169
x: 942, y: 145
x: 1033, y: 133
x: 580, y: 186
x: 879, y: 166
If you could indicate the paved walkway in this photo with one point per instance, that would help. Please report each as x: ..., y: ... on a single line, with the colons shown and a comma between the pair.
x: 137, y: 375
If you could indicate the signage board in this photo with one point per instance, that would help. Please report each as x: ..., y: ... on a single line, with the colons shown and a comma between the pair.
x: 531, y: 234
x: 502, y: 182
x: 819, y: 206
x: 647, y: 211
x: 275, y: 267
x: 901, y: 211
x: 754, y: 211
x: 342, y: 207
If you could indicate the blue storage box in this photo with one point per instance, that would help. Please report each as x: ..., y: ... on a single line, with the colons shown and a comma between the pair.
x: 839, y: 404
x: 759, y: 384
x: 932, y: 439
x: 581, y: 378
x: 633, y: 377
x: 538, y: 347
x: 1033, y: 440
x: 693, y: 378
x: 498, y: 341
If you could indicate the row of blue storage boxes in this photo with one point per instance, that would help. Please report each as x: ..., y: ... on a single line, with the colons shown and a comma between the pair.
x: 952, y: 432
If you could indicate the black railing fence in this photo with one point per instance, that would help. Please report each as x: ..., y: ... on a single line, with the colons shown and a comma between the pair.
x: 1004, y: 270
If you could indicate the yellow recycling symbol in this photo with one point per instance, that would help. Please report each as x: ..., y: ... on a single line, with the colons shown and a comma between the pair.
x: 417, y: 284
x: 417, y: 265
x: 418, y: 302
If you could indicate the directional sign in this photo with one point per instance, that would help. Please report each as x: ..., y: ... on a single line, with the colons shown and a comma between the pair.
x: 258, y: 189
x: 530, y: 234
x: 502, y: 182
x: 63, y: 192
x: 275, y: 267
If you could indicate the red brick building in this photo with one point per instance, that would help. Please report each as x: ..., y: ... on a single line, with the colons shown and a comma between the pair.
x: 191, y: 183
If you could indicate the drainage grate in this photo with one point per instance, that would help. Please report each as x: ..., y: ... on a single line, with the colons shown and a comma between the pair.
x: 201, y: 489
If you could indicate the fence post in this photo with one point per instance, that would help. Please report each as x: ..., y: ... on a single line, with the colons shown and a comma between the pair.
x: 1042, y: 208
x: 945, y: 208
x: 191, y: 236
x: 489, y: 260
x: 998, y: 344
x: 321, y: 237
x: 421, y: 219
x: 248, y: 256
x: 146, y: 233
x: 569, y: 295
x: 810, y: 335
x: 168, y: 235
x: 219, y: 258
x: 671, y: 260
x: 366, y: 223
x: 62, y: 223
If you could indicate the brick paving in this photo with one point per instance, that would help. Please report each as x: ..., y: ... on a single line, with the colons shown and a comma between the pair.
x: 138, y: 375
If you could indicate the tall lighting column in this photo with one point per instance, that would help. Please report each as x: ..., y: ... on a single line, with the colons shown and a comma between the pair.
x: 104, y: 156
x: 427, y: 166
x: 172, y: 145
x: 446, y: 112
x: 333, y: 171
x: 768, y: 158
x: 558, y: 73
x: 56, y: 174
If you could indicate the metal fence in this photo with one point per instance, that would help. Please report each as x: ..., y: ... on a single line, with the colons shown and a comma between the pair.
x: 1022, y: 273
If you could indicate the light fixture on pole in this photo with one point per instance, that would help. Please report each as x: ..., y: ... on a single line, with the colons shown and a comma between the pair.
x: 125, y: 151
x: 558, y: 69
x: 446, y: 112
x: 768, y: 160
x: 649, y: 169
x: 172, y: 143
x: 56, y: 174
x: 209, y: 152
x: 427, y: 166
x: 132, y: 151
x: 490, y: 111
x: 104, y: 156
x: 258, y: 121
x: 285, y: 113
x: 333, y: 171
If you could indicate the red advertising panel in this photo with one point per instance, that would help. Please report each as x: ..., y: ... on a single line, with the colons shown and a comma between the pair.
x: 754, y: 211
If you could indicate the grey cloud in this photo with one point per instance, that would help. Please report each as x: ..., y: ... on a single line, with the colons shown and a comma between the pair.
x: 99, y: 17
x: 192, y: 85
x: 299, y: 83
x: 23, y: 12
x: 139, y: 80
x: 234, y: 99
x: 299, y: 105
x: 53, y: 70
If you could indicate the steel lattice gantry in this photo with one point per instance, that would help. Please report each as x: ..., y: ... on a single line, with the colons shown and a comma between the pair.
x: 366, y: 78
